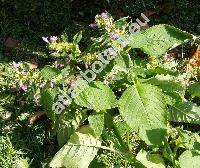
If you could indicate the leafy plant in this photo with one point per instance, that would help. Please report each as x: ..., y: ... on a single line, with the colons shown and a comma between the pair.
x: 147, y: 92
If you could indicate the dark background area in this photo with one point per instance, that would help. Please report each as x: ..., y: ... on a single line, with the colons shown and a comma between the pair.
x: 28, y: 20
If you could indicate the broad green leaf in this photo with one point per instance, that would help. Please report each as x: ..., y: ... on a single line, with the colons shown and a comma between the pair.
x: 160, y: 71
x: 121, y: 125
x: 47, y: 100
x: 96, y: 96
x: 21, y: 163
x: 186, y: 112
x: 66, y: 71
x: 142, y: 72
x: 194, y: 89
x: 49, y: 72
x: 123, y: 61
x: 68, y: 122
x: 77, y: 38
x: 98, y: 163
x: 129, y: 139
x: 120, y: 64
x: 150, y: 160
x: 118, y: 68
x: 158, y: 39
x: 166, y: 84
x: 189, y: 159
x: 138, y: 71
x: 111, y: 135
x: 143, y: 108
x: 120, y: 23
x: 188, y: 140
x: 96, y: 122
x: 120, y: 153
x: 172, y: 98
x: 78, y: 152
x: 113, y: 141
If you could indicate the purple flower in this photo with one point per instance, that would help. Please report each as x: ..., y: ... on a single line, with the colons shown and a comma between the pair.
x: 93, y: 25
x: 103, y: 15
x: 67, y: 60
x: 45, y: 39
x: 24, y: 88
x: 53, y: 39
x: 52, y: 83
x: 56, y: 65
x: 16, y: 64
x: 114, y: 36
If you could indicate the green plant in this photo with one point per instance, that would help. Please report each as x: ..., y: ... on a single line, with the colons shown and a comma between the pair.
x: 9, y: 156
x: 146, y: 91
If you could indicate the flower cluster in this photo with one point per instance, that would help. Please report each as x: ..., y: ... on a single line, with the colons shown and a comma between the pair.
x: 58, y: 48
x: 115, y: 31
x: 103, y: 20
x: 27, y: 80
x: 51, y: 39
x: 54, y: 81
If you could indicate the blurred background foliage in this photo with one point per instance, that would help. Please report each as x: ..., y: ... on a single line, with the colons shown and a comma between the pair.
x: 29, y: 20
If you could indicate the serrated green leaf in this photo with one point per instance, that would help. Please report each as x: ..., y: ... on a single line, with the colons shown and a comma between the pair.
x: 189, y: 140
x: 49, y: 72
x: 78, y: 152
x: 194, y: 89
x: 68, y: 122
x: 167, y: 85
x: 96, y: 96
x: 111, y: 140
x: 172, y: 98
x: 150, y: 160
x: 142, y: 72
x: 160, y: 71
x: 123, y: 61
x: 184, y: 112
x: 189, y: 159
x: 144, y: 110
x: 158, y: 39
x: 47, y: 100
x: 121, y: 125
x: 96, y: 122
x: 120, y: 64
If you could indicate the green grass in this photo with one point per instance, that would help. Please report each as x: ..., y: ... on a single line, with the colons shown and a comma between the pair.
x: 19, y: 139
x: 9, y: 155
